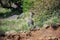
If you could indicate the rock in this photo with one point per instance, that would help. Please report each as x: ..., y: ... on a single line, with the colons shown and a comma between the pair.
x: 22, y: 34
x: 28, y: 33
x: 46, y: 26
x: 12, y: 32
x: 17, y: 37
x: 53, y: 38
x: 55, y: 26
x: 14, y: 5
x: 58, y: 24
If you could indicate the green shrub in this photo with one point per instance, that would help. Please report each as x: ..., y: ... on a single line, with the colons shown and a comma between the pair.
x: 52, y: 20
x: 4, y: 10
x: 27, y: 4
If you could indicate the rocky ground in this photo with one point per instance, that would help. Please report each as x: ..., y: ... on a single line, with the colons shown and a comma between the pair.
x: 51, y: 32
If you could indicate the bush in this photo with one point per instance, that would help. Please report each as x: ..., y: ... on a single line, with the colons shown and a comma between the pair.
x: 52, y: 20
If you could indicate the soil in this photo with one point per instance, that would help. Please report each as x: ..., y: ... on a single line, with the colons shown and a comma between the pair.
x: 44, y: 33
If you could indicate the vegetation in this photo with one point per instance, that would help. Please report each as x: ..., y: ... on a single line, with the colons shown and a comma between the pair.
x: 46, y: 12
